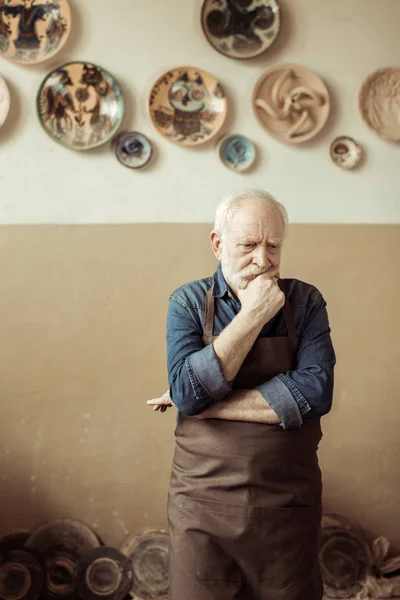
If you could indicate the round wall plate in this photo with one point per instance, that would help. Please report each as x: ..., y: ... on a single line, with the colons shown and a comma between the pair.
x: 241, y: 28
x: 379, y: 103
x: 187, y: 106
x: 80, y: 105
x: 345, y: 152
x: 4, y: 101
x: 292, y: 103
x: 237, y: 152
x: 133, y: 149
x: 31, y: 31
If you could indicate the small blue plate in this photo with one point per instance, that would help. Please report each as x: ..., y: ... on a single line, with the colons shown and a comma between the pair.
x: 237, y: 152
x: 133, y: 149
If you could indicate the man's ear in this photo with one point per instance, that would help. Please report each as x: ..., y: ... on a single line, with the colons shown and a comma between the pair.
x: 216, y: 243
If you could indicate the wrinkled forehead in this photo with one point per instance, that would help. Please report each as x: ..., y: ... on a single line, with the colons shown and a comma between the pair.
x: 256, y: 221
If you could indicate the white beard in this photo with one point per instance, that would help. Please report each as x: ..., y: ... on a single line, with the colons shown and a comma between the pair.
x: 239, y: 280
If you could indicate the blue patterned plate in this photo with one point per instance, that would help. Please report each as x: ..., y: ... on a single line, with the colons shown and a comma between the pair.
x: 80, y: 105
x: 32, y: 31
x: 237, y: 152
x: 133, y: 149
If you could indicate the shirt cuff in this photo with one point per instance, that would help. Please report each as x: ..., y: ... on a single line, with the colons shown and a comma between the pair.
x: 298, y: 396
x: 278, y: 396
x: 206, y: 374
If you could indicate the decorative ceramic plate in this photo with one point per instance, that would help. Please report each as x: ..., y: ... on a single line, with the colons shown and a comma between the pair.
x: 237, y: 152
x: 32, y: 31
x: 345, y: 152
x: 21, y: 577
x: 4, y: 101
x: 80, y: 105
x: 60, y: 545
x: 188, y: 106
x: 104, y: 574
x: 240, y: 28
x: 147, y: 551
x: 379, y: 103
x: 291, y: 103
x: 133, y: 149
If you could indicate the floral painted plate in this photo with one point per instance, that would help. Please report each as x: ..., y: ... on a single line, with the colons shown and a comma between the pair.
x: 345, y: 152
x: 240, y: 28
x: 379, y: 103
x: 32, y: 31
x: 4, y: 101
x: 292, y: 103
x: 133, y: 149
x: 187, y: 106
x: 237, y: 152
x: 80, y: 105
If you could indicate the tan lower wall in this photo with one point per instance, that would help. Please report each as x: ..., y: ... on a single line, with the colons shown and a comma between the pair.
x: 82, y: 347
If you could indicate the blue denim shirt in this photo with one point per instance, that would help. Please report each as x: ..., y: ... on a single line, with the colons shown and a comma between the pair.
x: 195, y: 376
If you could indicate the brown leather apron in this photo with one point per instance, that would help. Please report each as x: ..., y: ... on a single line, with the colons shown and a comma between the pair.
x: 244, y: 503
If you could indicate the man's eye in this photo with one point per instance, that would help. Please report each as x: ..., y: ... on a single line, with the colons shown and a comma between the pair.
x: 249, y: 245
x: 273, y: 248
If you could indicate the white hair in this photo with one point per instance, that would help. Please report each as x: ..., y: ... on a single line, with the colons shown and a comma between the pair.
x: 228, y: 206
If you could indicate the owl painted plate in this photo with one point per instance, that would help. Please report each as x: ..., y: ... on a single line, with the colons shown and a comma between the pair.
x: 187, y: 106
x: 32, y: 31
x: 240, y: 28
x: 4, y: 101
x: 133, y: 149
x: 80, y: 105
x: 237, y: 152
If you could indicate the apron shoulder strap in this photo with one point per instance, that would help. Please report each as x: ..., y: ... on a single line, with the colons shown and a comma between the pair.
x: 290, y: 326
x: 208, y: 325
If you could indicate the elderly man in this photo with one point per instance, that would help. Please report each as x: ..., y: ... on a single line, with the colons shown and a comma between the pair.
x: 250, y: 365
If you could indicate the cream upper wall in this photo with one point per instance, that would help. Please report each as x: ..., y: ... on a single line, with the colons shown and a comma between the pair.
x: 42, y: 182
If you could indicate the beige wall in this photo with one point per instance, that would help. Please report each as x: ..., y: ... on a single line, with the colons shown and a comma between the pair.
x: 82, y: 348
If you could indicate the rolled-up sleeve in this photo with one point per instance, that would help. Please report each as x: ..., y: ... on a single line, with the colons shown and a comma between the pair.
x: 307, y: 390
x: 195, y: 376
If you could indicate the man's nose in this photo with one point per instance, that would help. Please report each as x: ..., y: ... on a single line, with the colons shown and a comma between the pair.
x: 261, y: 258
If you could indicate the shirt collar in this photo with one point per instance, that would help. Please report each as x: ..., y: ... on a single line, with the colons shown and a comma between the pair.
x: 220, y: 286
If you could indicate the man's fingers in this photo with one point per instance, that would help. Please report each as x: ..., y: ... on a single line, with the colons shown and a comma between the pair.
x: 161, y: 401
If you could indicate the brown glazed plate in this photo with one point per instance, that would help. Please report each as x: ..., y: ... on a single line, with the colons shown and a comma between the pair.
x: 21, y: 576
x: 80, y: 105
x: 147, y: 551
x: 345, y: 152
x: 187, y: 106
x: 60, y: 545
x: 4, y: 101
x: 292, y: 103
x: 104, y: 573
x: 32, y: 31
x: 240, y: 28
x: 379, y: 103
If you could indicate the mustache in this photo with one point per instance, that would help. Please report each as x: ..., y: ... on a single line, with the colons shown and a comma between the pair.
x: 252, y: 271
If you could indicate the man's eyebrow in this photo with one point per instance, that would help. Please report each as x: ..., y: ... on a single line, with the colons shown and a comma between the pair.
x: 247, y: 238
